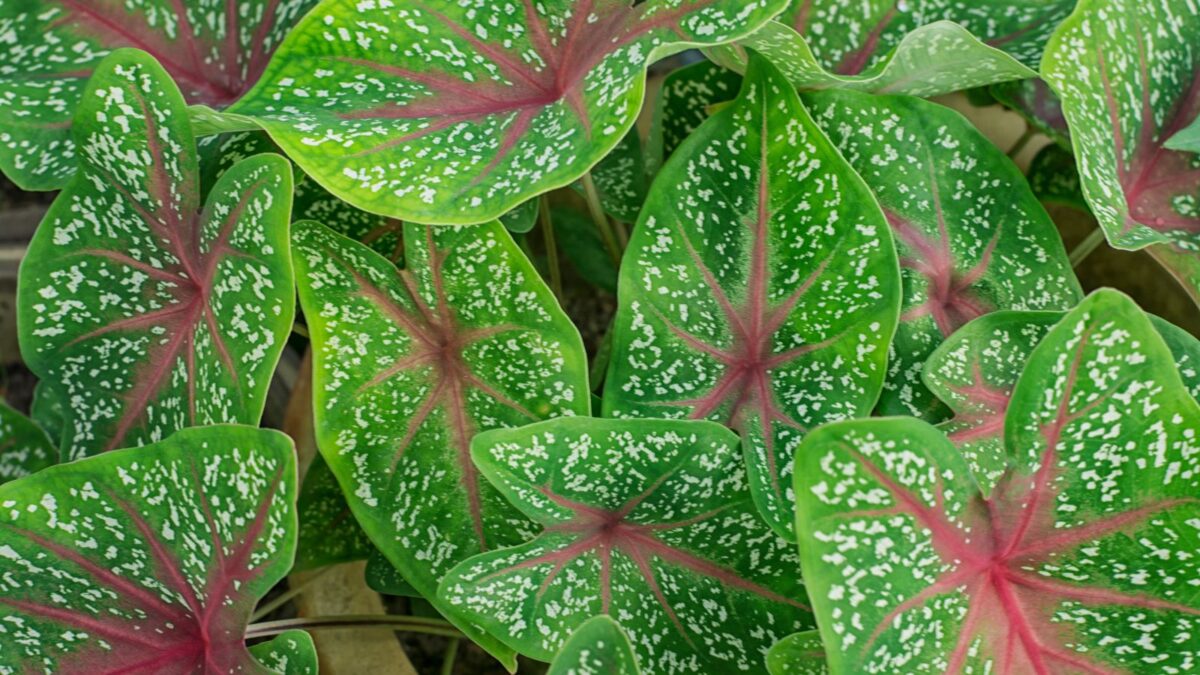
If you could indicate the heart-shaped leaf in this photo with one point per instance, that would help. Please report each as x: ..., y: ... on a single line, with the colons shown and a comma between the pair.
x: 214, y: 49
x: 148, y: 559
x: 24, y: 447
x: 917, y: 48
x: 1079, y: 561
x: 798, y: 654
x: 1127, y: 74
x: 974, y: 372
x: 972, y: 237
x: 683, y: 104
x: 410, y: 365
x: 290, y: 653
x: 597, y: 646
x: 146, y: 313
x: 648, y: 521
x: 456, y: 112
x: 760, y: 288
x: 328, y: 532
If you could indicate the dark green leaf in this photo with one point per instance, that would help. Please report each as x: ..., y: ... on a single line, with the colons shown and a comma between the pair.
x: 24, y: 447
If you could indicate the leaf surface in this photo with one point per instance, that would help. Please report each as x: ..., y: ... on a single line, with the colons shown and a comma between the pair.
x: 214, y: 49
x: 971, y: 236
x: 1079, y: 560
x: 455, y: 113
x: 648, y: 521
x: 290, y: 653
x: 147, y: 559
x: 24, y: 447
x: 383, y: 577
x: 328, y: 532
x: 147, y: 313
x: 410, y: 365
x: 683, y: 104
x: 798, y: 654
x: 1187, y: 139
x: 598, y: 647
x: 760, y: 287
x: 1127, y: 74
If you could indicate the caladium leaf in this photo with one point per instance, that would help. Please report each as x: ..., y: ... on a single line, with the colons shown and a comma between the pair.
x: 798, y: 654
x: 599, y: 646
x: 760, y: 287
x: 1034, y: 100
x: 582, y: 244
x: 409, y: 366
x: 439, y: 112
x: 290, y: 653
x: 214, y: 49
x: 1079, y: 561
x: 1187, y: 139
x: 622, y: 179
x: 648, y: 521
x: 1128, y: 83
x: 48, y: 411
x: 25, y: 448
x: 1054, y: 180
x: 149, y: 559
x: 972, y: 237
x: 521, y: 219
x: 146, y: 313
x: 683, y: 104
x: 383, y: 577
x: 1181, y: 263
x: 328, y: 533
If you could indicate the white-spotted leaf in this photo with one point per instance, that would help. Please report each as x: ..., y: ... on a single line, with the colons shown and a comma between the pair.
x: 328, y: 533
x: 798, y: 654
x: 289, y: 653
x: 24, y: 447
x: 683, y: 104
x: 598, y: 647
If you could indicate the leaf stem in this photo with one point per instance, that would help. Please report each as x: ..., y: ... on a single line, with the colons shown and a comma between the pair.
x: 408, y: 624
x: 451, y: 655
x: 287, y: 595
x: 1085, y: 247
x: 1023, y: 141
x: 600, y: 218
x: 551, y: 247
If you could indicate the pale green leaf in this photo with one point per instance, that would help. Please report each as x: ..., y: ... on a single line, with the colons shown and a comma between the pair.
x: 798, y: 654
x: 598, y: 647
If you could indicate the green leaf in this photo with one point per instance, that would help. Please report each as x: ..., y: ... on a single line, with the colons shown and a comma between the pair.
x: 974, y: 372
x: 49, y: 412
x: 521, y: 219
x: 580, y: 241
x: 455, y: 113
x: 290, y: 653
x: 1187, y: 139
x: 24, y: 447
x: 648, y: 521
x: 683, y: 105
x: 622, y: 179
x: 214, y: 49
x: 410, y: 365
x: 1182, y: 264
x: 971, y: 236
x: 760, y: 287
x: 328, y: 534
x: 598, y: 647
x: 1035, y: 101
x: 1127, y: 76
x: 798, y: 654
x: 208, y: 122
x: 1080, y: 560
x: 147, y: 559
x: 147, y: 313
x: 383, y: 577
x: 1054, y: 179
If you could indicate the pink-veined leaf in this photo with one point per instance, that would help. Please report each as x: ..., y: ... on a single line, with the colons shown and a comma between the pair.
x: 648, y: 521
x: 971, y: 236
x: 760, y: 288
x: 149, y: 559
x: 146, y: 312
x: 1081, y: 560
x: 798, y: 654
x: 24, y: 447
x: 214, y: 49
x: 598, y: 647
x: 974, y: 372
x: 1128, y: 75
x: 410, y: 365
x: 457, y: 112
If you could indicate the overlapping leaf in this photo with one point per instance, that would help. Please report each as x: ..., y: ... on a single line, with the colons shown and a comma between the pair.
x: 410, y: 365
x: 1036, y: 102
x: 24, y: 447
x: 440, y: 112
x: 214, y: 49
x: 760, y: 288
x: 383, y: 577
x: 144, y: 312
x: 798, y: 654
x: 1187, y: 139
x: 328, y: 532
x: 684, y: 103
x: 149, y: 559
x: 1128, y: 75
x: 290, y: 653
x: 972, y: 237
x: 648, y: 521
x: 921, y: 48
x: 597, y: 647
x: 1081, y: 558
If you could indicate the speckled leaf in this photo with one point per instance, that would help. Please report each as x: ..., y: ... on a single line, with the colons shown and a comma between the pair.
x: 598, y: 647
x: 760, y: 288
x: 974, y: 372
x: 383, y: 577
x: 149, y: 559
x: 329, y: 534
x: 622, y: 179
x: 1127, y: 74
x: 409, y: 366
x: 290, y: 653
x: 214, y: 49
x: 24, y: 447
x: 1034, y: 100
x: 648, y: 521
x: 1187, y: 139
x: 1054, y: 180
x: 1082, y: 559
x: 48, y: 411
x: 798, y: 654
x: 972, y: 238
x: 145, y: 312
x: 683, y: 104
x: 456, y: 112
